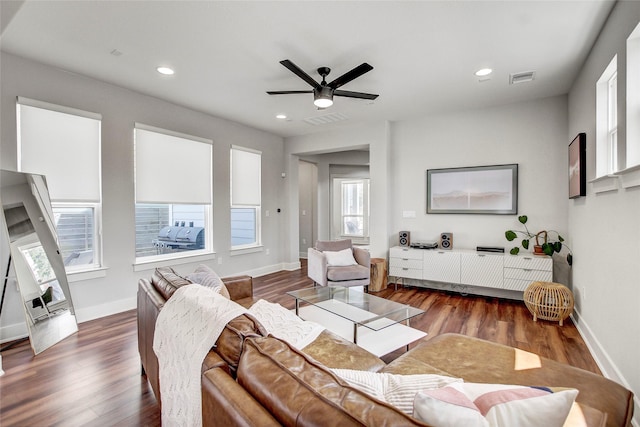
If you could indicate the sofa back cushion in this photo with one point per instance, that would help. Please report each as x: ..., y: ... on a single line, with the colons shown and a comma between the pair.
x: 299, y: 391
x: 333, y: 245
x: 166, y: 281
x: 229, y: 343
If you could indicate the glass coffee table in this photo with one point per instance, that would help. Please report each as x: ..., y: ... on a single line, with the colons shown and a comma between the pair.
x: 376, y: 324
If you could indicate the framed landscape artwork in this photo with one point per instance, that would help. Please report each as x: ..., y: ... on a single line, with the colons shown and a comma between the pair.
x: 473, y: 190
x: 577, y: 166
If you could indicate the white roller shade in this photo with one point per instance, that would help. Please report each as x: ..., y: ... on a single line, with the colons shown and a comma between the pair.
x: 63, y: 145
x: 172, y: 169
x: 245, y: 177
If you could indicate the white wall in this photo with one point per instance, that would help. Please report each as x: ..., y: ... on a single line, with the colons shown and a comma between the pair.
x: 604, y: 227
x: 531, y: 134
x: 120, y: 109
x: 308, y: 184
x: 374, y: 135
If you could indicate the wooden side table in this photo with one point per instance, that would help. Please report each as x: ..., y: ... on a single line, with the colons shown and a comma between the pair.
x: 549, y: 301
x: 378, y: 275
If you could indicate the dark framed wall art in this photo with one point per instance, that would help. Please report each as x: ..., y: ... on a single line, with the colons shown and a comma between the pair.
x: 578, y: 166
x: 473, y: 190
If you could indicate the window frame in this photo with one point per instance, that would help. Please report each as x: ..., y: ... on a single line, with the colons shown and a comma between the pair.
x: 337, y: 211
x: 256, y: 208
x: 95, y: 205
x: 208, y: 249
x: 607, y: 153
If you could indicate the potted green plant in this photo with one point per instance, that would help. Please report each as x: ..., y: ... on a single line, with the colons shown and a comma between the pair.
x: 546, y: 241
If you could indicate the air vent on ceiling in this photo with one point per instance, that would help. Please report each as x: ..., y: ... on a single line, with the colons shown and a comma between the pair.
x: 524, y: 77
x: 326, y: 119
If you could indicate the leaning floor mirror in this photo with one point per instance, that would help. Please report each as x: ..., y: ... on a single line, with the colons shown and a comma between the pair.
x: 35, y: 258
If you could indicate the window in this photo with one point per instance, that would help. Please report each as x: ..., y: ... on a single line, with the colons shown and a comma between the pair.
x: 607, y: 121
x: 352, y: 207
x: 633, y: 99
x: 64, y: 145
x: 246, y: 194
x: 173, y: 180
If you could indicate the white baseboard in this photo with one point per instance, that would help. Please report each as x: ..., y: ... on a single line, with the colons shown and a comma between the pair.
x: 604, y: 362
x: 263, y: 271
x: 103, y: 310
x: 13, y: 332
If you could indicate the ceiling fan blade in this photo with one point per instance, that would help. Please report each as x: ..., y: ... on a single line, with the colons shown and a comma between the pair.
x: 350, y: 75
x: 288, y: 92
x: 350, y: 94
x: 298, y: 72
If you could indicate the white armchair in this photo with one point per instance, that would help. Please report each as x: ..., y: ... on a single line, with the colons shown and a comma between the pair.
x: 335, y: 268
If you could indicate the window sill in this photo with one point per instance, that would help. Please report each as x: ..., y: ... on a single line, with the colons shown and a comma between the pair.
x: 605, y: 183
x: 629, y: 177
x: 79, y: 276
x: 242, y: 251
x: 169, y: 262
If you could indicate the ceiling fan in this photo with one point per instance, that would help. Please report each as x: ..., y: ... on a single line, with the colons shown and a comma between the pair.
x: 324, y: 92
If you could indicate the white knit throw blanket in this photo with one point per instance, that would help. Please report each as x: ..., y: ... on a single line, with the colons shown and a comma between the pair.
x: 187, y: 327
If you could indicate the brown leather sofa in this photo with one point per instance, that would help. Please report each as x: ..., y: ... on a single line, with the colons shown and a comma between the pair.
x: 249, y: 379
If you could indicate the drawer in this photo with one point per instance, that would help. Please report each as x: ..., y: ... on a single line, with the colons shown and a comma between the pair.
x: 405, y: 253
x: 409, y: 273
x: 405, y: 263
x: 481, y: 269
x: 532, y: 262
x: 516, y: 285
x: 526, y: 274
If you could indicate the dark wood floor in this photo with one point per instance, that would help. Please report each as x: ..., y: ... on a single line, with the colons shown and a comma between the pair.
x: 93, y: 378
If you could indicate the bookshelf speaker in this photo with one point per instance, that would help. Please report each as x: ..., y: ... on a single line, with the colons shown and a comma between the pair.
x: 446, y: 240
x: 404, y: 238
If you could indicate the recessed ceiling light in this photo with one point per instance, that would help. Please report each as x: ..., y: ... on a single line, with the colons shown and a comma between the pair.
x: 483, y: 72
x: 165, y: 70
x: 281, y: 116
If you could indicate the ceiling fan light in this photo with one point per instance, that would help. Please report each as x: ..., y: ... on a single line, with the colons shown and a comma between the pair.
x: 323, y: 98
x: 323, y: 102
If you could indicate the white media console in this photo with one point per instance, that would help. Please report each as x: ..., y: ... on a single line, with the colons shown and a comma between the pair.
x: 469, y: 271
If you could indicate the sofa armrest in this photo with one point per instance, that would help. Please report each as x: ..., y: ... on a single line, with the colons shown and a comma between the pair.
x: 226, y: 403
x: 239, y: 287
x: 317, y: 266
x: 362, y: 256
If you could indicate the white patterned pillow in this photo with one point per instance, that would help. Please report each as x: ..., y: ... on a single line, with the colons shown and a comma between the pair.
x: 493, y: 405
x: 341, y: 258
x: 208, y: 278
x: 394, y: 389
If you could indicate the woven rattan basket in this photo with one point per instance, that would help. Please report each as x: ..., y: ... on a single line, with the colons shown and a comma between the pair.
x: 549, y: 301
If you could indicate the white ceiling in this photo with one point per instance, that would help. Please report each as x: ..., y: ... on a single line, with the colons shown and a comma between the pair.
x: 226, y: 54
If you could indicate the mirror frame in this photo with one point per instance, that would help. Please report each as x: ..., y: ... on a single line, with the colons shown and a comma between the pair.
x: 37, y: 226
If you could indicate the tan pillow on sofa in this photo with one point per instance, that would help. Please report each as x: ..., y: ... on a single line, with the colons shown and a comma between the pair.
x: 299, y: 391
x: 208, y: 278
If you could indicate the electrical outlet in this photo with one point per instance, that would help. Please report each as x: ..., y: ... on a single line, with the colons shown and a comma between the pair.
x: 266, y: 251
x: 219, y: 261
x: 266, y: 213
x: 304, y: 241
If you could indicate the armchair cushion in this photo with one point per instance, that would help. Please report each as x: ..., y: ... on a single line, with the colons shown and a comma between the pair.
x: 352, y: 272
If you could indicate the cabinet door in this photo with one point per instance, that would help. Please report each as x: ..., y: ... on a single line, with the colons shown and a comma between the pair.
x: 482, y: 270
x: 441, y: 266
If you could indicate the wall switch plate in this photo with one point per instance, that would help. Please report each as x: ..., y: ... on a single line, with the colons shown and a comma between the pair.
x: 266, y: 251
x: 408, y: 214
x: 266, y: 213
x: 219, y: 261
